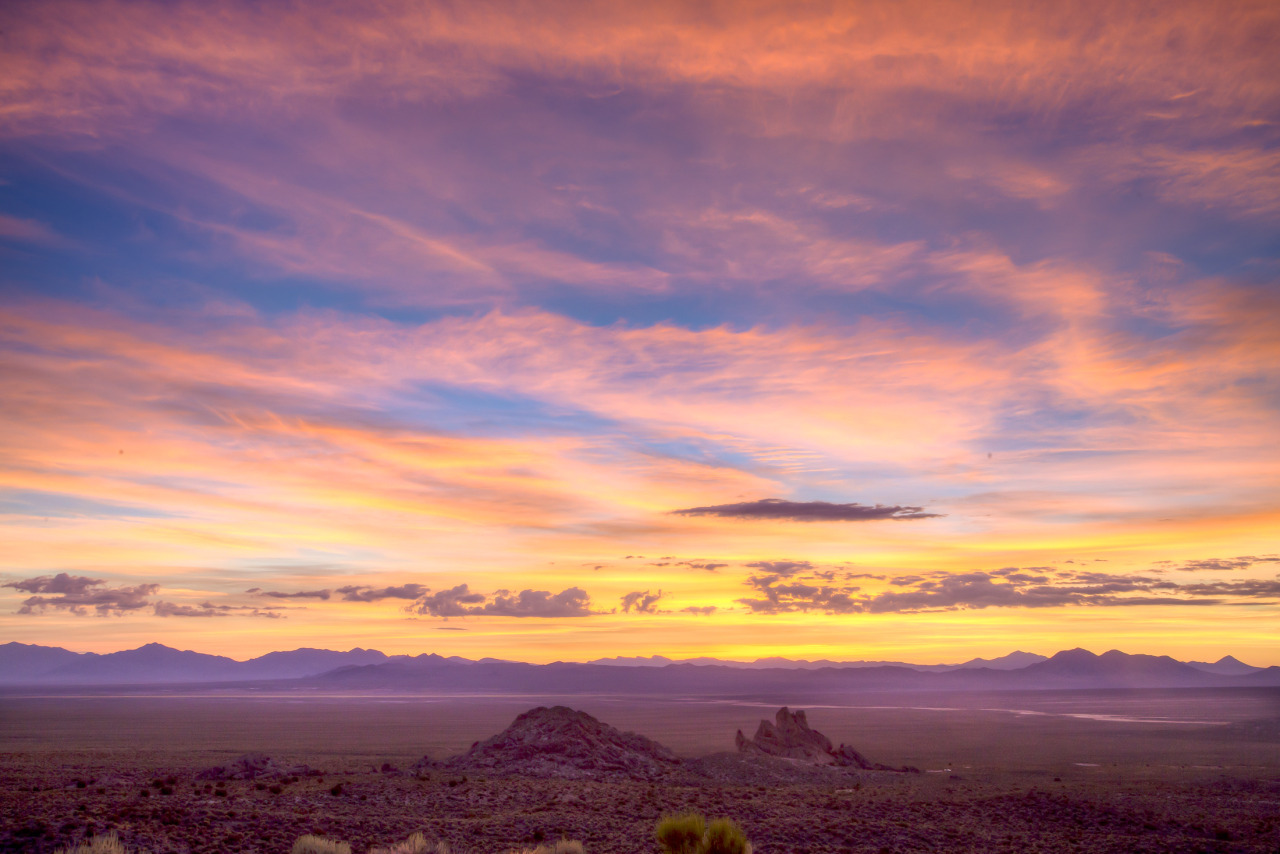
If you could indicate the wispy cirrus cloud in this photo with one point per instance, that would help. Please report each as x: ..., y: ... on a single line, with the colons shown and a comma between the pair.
x: 30, y: 231
x: 565, y: 268
x: 1220, y: 564
x: 209, y: 609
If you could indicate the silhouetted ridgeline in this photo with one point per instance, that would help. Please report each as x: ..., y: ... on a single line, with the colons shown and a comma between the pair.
x: 361, y: 669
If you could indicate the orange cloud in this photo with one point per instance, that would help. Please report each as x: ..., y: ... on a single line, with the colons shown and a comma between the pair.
x: 640, y: 259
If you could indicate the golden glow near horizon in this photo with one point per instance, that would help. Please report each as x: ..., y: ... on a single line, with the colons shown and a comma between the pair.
x: 852, y: 331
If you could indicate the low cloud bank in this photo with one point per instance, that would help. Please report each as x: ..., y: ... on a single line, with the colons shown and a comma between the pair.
x: 1010, y: 587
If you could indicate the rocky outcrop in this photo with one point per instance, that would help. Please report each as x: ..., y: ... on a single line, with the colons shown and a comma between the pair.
x: 791, y: 737
x: 254, y: 766
x: 562, y: 742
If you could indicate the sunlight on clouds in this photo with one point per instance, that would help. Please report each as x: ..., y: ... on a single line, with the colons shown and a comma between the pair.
x: 468, y: 301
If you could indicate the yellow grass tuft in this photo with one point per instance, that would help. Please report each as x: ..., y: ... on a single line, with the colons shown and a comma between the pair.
x: 564, y: 846
x: 415, y: 844
x: 311, y: 844
x: 108, y: 843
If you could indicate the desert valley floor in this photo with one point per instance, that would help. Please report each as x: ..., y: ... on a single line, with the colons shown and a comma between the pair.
x: 1195, y: 770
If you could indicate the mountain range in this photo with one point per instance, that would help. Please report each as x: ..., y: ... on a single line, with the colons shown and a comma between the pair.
x: 1012, y: 661
x: 368, y: 669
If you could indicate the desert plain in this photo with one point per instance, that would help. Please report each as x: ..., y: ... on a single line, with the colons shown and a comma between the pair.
x: 1096, y: 771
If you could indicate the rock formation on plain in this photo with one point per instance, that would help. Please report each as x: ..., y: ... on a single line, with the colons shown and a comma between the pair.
x: 255, y: 766
x: 563, y: 742
x: 791, y: 737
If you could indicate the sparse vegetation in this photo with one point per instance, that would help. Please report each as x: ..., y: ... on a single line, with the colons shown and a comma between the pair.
x: 311, y: 844
x: 691, y: 834
x: 787, y: 808
x: 723, y: 836
x: 108, y: 843
x: 681, y: 834
x: 564, y: 846
x: 415, y: 844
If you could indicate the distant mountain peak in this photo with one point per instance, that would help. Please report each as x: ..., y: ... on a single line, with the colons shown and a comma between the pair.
x: 1228, y: 665
x: 1076, y: 654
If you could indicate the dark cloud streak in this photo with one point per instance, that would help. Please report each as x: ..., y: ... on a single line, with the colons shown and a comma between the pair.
x: 807, y: 511
x: 300, y: 594
x: 355, y: 593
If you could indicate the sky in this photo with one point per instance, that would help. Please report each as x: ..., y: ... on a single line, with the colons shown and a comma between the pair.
x: 553, y: 331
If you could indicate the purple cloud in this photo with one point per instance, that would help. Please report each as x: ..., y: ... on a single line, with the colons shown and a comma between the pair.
x: 78, y: 595
x: 573, y: 602
x: 300, y: 594
x: 454, y: 602
x: 208, y: 609
x: 998, y: 589
x: 807, y: 511
x: 641, y: 601
x: 354, y: 593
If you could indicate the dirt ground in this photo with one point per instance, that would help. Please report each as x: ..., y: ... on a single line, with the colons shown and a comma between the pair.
x: 1028, y: 773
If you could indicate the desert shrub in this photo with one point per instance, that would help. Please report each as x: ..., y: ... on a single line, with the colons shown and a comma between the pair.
x: 681, y: 834
x: 723, y: 836
x: 690, y: 834
x: 415, y: 844
x: 106, y: 844
x: 311, y: 844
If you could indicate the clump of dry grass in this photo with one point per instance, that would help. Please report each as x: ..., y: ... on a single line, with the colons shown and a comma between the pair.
x: 108, y: 843
x: 564, y: 846
x: 415, y: 844
x: 681, y: 834
x: 691, y: 834
x: 311, y: 844
x: 723, y: 836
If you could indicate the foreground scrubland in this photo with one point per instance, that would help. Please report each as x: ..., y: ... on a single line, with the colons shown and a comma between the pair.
x: 73, y: 769
x: 65, y: 799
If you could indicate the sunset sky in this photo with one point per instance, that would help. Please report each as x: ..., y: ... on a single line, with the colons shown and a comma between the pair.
x: 913, y: 330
